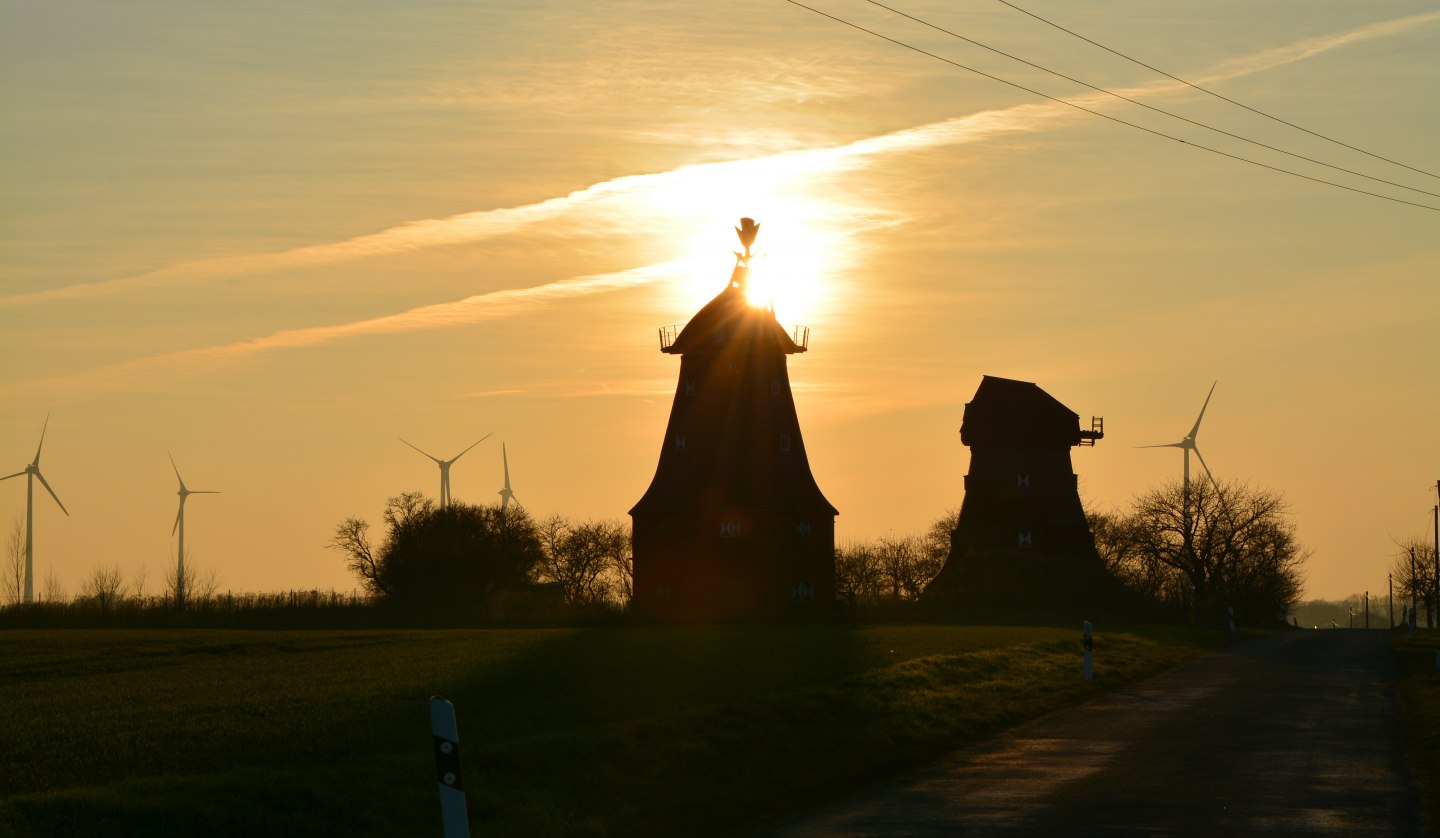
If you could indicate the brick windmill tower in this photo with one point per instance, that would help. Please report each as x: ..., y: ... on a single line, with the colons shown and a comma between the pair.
x: 1022, y: 540
x: 733, y: 525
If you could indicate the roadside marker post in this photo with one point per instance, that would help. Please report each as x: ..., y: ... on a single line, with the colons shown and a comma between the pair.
x: 446, y: 735
x: 1089, y: 643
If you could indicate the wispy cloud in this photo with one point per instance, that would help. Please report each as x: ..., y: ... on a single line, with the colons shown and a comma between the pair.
x: 476, y: 309
x: 485, y: 224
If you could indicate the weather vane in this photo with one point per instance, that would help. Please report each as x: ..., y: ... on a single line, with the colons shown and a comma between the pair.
x: 747, y: 231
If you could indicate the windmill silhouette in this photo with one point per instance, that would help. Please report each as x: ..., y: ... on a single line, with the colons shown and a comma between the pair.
x: 445, y: 468
x: 505, y: 494
x: 180, y: 527
x: 31, y: 472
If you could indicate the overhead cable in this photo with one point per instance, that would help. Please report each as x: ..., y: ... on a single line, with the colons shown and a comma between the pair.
x: 1217, y: 95
x: 1133, y: 101
x: 1115, y: 119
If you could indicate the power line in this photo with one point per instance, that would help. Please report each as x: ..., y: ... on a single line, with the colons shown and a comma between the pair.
x: 1170, y: 114
x: 1217, y: 95
x: 1107, y: 116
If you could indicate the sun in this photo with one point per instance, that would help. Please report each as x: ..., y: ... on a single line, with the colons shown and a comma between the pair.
x: 788, y: 268
x: 793, y: 254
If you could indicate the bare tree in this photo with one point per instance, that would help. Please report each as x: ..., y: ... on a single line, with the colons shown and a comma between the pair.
x: 105, y: 586
x: 1415, y: 580
x: 907, y: 566
x: 137, y: 587
x: 53, y: 590
x: 937, y: 538
x: 1207, y: 548
x: 352, y: 538
x: 858, y: 578
x: 584, y: 558
x: 12, y: 579
x: 200, y: 584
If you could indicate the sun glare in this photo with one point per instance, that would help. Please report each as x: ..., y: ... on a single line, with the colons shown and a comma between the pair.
x: 787, y: 268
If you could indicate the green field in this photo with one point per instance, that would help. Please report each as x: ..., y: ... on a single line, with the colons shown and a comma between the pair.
x: 1418, y: 662
x: 620, y: 731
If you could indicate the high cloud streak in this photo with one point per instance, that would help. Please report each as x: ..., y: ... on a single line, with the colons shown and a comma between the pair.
x: 626, y: 194
x: 479, y: 308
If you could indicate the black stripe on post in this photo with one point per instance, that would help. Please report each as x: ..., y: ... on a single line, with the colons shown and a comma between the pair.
x: 447, y: 763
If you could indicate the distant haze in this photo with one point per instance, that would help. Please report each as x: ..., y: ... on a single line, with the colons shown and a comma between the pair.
x: 270, y: 241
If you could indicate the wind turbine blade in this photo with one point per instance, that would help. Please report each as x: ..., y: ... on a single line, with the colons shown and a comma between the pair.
x: 505, y: 457
x: 1165, y: 445
x: 426, y: 453
x: 177, y: 471
x: 1204, y: 466
x: 16, y: 474
x: 42, y: 443
x: 178, y: 515
x: 51, y: 491
x: 1195, y: 430
x: 204, y: 492
x: 472, y: 445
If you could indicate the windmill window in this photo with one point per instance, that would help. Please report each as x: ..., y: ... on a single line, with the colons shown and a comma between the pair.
x: 679, y: 443
x: 1025, y: 539
x: 784, y: 442
x: 802, y: 529
x: 1022, y: 481
x: 803, y: 592
x: 729, y: 529
x: 690, y: 388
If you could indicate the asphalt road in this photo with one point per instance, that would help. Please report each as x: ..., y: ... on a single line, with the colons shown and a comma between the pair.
x: 1297, y: 734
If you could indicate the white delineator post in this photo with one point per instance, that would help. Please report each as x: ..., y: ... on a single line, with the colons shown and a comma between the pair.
x: 1088, y: 642
x: 447, y: 768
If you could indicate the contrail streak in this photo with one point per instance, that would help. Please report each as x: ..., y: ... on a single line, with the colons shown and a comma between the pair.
x: 485, y: 224
x: 493, y: 305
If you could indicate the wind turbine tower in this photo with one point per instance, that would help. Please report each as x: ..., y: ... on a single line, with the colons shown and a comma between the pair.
x: 31, y: 472
x: 180, y: 527
x: 505, y: 494
x: 445, y: 468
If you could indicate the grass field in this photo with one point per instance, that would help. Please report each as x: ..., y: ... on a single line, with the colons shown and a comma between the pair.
x: 1418, y: 664
x: 622, y: 731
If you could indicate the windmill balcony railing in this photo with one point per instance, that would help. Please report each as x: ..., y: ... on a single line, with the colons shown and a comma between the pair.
x: 667, y: 336
x: 801, y: 336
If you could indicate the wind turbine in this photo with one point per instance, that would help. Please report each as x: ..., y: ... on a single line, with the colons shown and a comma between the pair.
x: 505, y: 494
x: 180, y: 526
x: 445, y: 467
x: 31, y: 472
x: 1188, y: 443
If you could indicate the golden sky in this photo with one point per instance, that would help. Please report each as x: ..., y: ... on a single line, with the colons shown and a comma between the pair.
x: 269, y: 239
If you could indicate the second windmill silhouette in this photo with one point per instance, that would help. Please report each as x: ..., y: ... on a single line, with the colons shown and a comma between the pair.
x: 445, y: 467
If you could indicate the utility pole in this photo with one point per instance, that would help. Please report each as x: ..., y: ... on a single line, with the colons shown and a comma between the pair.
x: 1367, y: 609
x: 1390, y: 580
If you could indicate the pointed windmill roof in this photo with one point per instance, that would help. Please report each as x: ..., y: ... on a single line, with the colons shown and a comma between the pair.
x: 731, y: 322
x: 1009, y: 412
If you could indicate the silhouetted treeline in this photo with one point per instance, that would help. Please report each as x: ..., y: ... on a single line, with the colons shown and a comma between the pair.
x: 288, y: 609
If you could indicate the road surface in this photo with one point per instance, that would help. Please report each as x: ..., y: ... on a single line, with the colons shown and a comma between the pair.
x: 1297, y: 734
